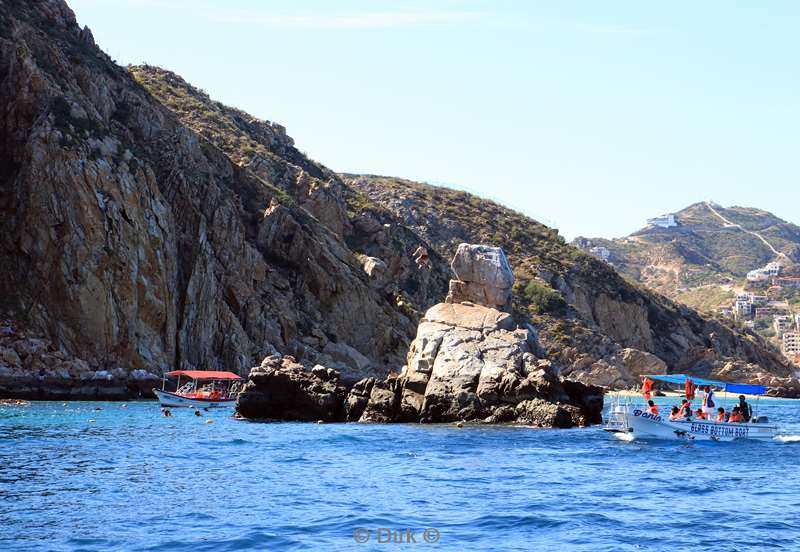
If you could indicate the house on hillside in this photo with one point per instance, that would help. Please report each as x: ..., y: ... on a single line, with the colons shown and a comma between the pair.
x: 664, y: 221
x: 765, y: 312
x: 600, y: 252
x: 742, y: 308
x: 783, y: 324
x: 770, y: 270
x: 791, y: 344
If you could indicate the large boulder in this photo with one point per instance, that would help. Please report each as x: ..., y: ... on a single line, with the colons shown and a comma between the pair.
x: 282, y: 389
x: 469, y: 363
x: 483, y: 276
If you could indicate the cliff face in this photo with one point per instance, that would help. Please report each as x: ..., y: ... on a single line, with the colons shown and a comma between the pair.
x: 131, y: 241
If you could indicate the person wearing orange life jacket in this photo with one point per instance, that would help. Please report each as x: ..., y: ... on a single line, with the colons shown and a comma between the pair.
x: 689, y: 388
x: 647, y: 386
x: 675, y: 414
x: 720, y: 415
x: 736, y: 416
x: 700, y: 414
x: 652, y: 408
x: 685, y: 408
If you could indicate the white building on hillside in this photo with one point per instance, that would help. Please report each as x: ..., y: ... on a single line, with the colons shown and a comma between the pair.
x: 742, y: 309
x: 791, y: 343
x: 773, y: 269
x: 664, y: 221
x: 757, y: 275
x: 600, y: 252
x: 783, y: 324
x: 764, y: 273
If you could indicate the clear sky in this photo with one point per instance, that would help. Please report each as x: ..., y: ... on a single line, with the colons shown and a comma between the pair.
x: 589, y: 116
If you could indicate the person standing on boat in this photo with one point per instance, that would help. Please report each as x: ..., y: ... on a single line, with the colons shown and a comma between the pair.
x: 708, y: 402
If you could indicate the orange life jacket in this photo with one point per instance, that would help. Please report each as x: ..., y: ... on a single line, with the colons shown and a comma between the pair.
x: 735, y: 417
x: 653, y: 409
x: 702, y: 416
x: 689, y: 388
x: 647, y: 385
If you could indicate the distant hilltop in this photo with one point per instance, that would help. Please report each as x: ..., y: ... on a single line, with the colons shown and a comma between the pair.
x: 697, y: 255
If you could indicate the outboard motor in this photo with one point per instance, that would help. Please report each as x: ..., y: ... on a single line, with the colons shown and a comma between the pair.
x: 760, y: 420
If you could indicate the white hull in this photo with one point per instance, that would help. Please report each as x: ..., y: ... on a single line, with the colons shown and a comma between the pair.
x: 630, y: 422
x: 176, y: 401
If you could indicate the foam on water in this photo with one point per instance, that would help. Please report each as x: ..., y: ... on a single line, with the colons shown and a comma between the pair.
x: 135, y: 480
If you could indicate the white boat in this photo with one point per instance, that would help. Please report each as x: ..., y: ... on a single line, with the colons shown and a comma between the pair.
x: 205, y: 389
x: 634, y: 421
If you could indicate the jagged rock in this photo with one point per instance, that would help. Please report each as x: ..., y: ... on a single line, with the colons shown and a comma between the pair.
x: 483, y: 276
x: 639, y: 363
x: 383, y: 402
x: 357, y: 399
x: 281, y: 389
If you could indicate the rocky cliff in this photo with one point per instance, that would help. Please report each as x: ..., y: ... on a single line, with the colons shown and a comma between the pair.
x: 468, y: 362
x: 131, y: 241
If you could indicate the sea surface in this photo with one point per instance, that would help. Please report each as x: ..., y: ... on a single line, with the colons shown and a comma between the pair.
x: 121, y: 476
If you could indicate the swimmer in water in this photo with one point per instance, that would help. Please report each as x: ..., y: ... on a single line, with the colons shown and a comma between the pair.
x: 166, y: 412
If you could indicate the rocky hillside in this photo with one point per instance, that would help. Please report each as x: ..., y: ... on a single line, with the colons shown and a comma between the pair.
x: 703, y: 258
x: 591, y: 322
x: 145, y: 227
x: 131, y: 241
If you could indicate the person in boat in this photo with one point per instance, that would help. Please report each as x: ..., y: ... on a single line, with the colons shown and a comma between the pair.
x: 652, y: 408
x: 675, y: 414
x: 736, y: 416
x: 744, y: 409
x: 701, y: 414
x: 721, y: 417
x: 686, y: 408
x: 708, y: 401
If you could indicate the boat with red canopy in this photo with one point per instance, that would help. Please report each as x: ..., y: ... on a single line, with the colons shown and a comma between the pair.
x: 205, y: 389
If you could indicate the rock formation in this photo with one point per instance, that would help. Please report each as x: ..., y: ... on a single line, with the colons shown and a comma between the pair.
x: 586, y: 316
x: 469, y: 362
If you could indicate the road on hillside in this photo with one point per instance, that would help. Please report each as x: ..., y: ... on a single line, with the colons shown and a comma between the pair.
x: 740, y: 227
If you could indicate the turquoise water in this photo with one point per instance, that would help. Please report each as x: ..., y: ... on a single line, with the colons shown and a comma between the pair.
x: 75, y: 478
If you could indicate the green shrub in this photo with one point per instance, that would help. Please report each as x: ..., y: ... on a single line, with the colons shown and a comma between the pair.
x: 542, y: 299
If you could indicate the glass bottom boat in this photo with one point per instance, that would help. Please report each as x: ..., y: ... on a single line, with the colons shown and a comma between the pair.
x: 629, y: 421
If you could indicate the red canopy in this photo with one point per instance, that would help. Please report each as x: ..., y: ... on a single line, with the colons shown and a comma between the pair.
x: 205, y: 374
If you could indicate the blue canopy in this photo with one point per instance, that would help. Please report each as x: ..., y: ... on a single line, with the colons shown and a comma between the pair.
x: 742, y: 388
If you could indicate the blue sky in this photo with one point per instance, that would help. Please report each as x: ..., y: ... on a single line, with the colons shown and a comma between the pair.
x: 589, y: 116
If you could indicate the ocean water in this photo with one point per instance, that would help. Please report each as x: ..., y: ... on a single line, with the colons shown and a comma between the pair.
x: 127, y: 478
